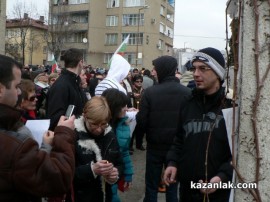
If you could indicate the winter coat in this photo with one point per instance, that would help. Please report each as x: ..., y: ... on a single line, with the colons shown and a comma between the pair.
x: 90, y: 149
x: 159, y: 112
x: 123, y: 137
x: 201, y: 114
x: 122, y: 131
x: 26, y: 172
x: 65, y: 91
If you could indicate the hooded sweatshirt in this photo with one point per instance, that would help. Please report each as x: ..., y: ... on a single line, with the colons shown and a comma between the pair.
x: 118, y: 71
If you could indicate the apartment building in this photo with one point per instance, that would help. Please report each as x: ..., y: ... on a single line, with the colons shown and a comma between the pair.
x: 99, y: 27
x: 2, y: 24
x: 26, y: 40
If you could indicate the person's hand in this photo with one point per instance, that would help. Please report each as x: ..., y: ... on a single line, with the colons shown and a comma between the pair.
x: 170, y: 175
x: 113, y: 176
x: 127, y: 186
x: 132, y: 109
x: 63, y: 121
x: 136, y: 95
x: 103, y: 168
x: 215, y: 179
x: 48, y: 137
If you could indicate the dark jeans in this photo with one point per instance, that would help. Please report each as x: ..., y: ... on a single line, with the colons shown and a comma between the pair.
x: 155, y: 161
x: 138, y: 134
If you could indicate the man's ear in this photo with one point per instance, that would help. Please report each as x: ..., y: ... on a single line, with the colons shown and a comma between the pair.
x: 2, y: 90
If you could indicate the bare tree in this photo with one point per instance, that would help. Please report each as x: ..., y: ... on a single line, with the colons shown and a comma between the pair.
x: 22, y: 20
x: 59, y: 27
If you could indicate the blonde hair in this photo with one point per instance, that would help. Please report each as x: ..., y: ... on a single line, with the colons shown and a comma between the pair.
x: 97, y: 110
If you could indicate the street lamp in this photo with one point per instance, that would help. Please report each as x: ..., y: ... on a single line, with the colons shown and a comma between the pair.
x: 138, y: 32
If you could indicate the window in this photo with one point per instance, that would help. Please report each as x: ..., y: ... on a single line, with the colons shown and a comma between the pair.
x: 133, y: 38
x: 160, y: 44
x: 77, y: 37
x: 111, y: 20
x: 162, y: 10
x: 79, y: 18
x: 107, y: 57
x: 168, y: 48
x: 169, y: 32
x: 161, y: 27
x: 111, y: 39
x: 112, y: 3
x: 132, y: 3
x: 131, y: 58
x: 13, y: 33
x: 78, y: 1
x: 133, y: 19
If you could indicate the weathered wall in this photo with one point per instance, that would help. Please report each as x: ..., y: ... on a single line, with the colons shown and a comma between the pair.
x: 2, y: 25
x: 246, y: 159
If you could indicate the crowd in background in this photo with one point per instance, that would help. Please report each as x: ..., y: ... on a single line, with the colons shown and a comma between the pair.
x: 113, y: 109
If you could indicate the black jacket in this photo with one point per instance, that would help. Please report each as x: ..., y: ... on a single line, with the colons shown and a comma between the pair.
x: 65, y: 91
x: 189, y: 150
x: 86, y: 186
x: 159, y: 112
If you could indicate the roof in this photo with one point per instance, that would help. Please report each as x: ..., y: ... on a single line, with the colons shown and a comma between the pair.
x: 26, y: 22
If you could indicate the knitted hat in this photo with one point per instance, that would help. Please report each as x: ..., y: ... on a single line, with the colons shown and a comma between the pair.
x: 213, y: 58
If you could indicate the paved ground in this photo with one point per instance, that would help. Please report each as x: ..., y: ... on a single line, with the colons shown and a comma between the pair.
x: 136, y: 193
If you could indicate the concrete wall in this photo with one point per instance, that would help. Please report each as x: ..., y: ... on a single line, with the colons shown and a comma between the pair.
x: 2, y: 25
x: 247, y: 91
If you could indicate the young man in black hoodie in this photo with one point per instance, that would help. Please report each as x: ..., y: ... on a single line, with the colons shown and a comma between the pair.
x: 201, y: 152
x: 158, y: 118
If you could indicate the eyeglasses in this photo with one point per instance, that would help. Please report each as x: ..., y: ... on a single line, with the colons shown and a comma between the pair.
x: 200, y: 68
x: 138, y: 81
x: 32, y: 98
x: 95, y: 126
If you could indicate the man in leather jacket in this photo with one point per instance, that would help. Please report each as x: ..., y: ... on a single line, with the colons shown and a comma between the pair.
x: 26, y: 172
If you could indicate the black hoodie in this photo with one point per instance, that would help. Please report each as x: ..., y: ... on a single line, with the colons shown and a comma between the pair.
x: 202, y: 116
x: 160, y: 105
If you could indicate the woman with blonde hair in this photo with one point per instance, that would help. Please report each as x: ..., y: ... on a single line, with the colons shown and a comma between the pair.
x: 98, y: 159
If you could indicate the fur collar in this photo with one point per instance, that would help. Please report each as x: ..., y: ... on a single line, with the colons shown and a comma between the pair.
x: 89, y: 144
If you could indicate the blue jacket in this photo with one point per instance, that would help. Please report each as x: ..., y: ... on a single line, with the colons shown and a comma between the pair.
x: 122, y: 132
x: 123, y: 136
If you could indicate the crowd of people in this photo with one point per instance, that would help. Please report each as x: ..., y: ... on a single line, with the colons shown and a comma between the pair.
x: 87, y: 157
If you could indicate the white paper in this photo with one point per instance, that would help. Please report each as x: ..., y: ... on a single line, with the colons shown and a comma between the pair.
x: 132, y: 120
x: 228, y: 117
x: 37, y: 128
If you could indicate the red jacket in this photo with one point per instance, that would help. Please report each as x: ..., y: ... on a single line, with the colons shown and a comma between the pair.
x: 28, y: 173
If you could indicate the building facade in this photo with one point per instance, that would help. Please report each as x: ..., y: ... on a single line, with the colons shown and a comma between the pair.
x: 99, y: 27
x: 2, y: 24
x: 26, y: 40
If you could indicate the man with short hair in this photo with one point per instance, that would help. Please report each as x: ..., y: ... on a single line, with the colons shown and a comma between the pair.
x: 201, y: 152
x: 158, y: 118
x: 67, y: 88
x: 26, y: 172
x: 147, y: 81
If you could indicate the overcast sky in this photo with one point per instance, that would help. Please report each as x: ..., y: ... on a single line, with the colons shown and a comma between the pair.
x: 198, y: 24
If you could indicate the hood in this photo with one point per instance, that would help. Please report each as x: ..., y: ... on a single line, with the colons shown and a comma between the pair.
x: 119, y: 68
x: 165, y: 66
